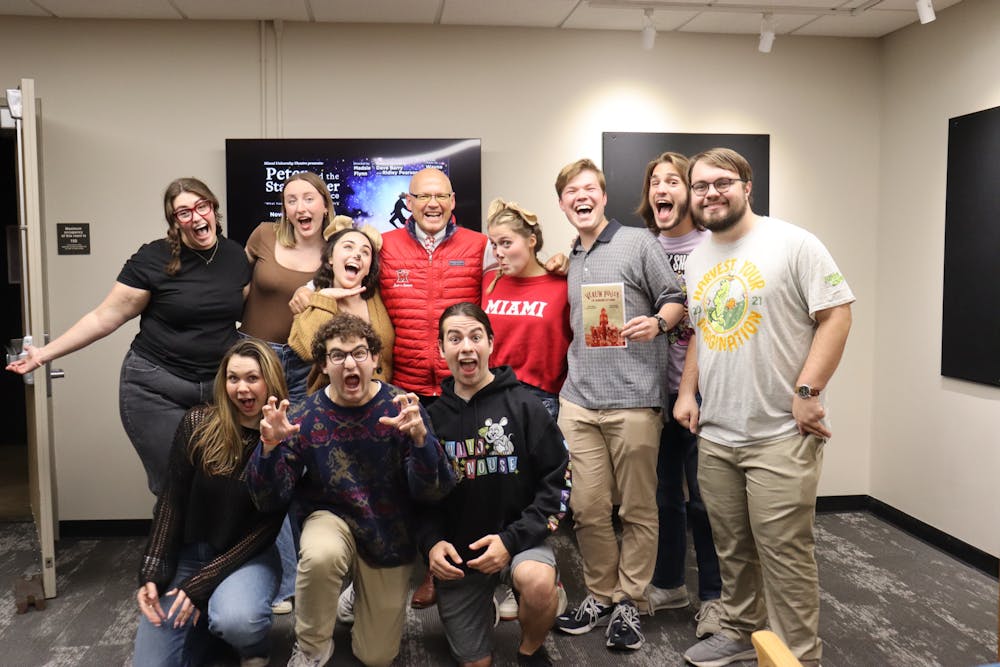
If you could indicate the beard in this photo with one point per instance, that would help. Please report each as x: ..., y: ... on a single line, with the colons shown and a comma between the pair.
x: 723, y: 223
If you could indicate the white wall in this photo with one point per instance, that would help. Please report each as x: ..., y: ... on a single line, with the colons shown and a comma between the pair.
x: 129, y: 105
x: 936, y: 452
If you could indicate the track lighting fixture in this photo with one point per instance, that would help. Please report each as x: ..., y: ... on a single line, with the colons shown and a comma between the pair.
x: 766, y: 33
x: 925, y: 10
x: 648, y: 29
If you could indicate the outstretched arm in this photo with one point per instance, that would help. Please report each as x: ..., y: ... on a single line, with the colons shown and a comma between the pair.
x: 119, y: 306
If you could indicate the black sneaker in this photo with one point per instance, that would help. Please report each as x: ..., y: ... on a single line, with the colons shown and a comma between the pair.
x: 537, y: 659
x: 584, y: 618
x: 623, y: 632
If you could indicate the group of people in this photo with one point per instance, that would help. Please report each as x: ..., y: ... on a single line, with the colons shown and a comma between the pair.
x: 435, y: 395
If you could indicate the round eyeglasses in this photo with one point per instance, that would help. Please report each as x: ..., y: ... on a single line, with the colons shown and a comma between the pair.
x: 721, y: 185
x: 338, y: 357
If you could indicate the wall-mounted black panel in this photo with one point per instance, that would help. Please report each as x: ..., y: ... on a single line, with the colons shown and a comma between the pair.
x: 970, y: 327
x: 627, y: 153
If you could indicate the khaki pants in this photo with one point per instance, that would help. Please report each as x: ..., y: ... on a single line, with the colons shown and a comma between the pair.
x: 327, y: 551
x: 613, y: 453
x: 761, y: 502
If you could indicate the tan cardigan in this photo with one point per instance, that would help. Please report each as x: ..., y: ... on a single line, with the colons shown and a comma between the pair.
x: 322, y: 308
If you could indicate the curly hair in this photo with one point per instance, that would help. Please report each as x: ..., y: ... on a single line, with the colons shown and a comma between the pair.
x: 344, y: 326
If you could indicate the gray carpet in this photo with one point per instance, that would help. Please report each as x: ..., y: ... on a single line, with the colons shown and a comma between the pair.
x: 887, y: 600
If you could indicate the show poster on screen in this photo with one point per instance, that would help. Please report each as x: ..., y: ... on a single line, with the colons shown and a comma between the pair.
x: 367, y: 178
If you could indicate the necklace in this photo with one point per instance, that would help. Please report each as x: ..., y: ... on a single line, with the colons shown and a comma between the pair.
x: 202, y: 257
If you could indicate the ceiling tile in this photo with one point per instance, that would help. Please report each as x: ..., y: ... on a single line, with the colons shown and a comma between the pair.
x: 110, y: 9
x: 376, y: 11
x: 525, y: 13
x: 244, y: 10
x: 21, y: 8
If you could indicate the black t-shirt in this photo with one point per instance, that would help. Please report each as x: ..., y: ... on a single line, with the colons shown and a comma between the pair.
x: 190, y: 321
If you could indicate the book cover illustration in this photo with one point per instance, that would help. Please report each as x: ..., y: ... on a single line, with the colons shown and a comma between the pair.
x: 603, y: 314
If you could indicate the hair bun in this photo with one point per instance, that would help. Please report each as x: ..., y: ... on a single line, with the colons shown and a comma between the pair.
x: 341, y: 222
x: 498, y: 205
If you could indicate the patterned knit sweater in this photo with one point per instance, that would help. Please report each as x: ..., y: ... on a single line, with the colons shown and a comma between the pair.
x: 368, y: 474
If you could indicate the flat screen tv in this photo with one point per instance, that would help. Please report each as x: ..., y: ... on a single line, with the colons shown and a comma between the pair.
x: 970, y: 322
x: 367, y: 178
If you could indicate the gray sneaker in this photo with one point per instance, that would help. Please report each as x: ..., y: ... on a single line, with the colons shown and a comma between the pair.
x: 302, y: 659
x: 345, y: 605
x: 708, y: 618
x: 719, y: 650
x: 666, y: 598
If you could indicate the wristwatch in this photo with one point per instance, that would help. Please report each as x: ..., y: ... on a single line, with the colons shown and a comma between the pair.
x: 662, y: 323
x: 805, y: 391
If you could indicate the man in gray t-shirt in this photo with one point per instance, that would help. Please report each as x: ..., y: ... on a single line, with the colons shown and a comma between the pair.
x: 622, y: 296
x: 771, y: 314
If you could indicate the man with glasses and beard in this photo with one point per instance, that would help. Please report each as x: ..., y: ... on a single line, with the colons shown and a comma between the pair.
x: 771, y: 313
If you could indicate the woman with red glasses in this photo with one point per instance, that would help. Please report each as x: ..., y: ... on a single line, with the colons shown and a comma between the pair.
x: 187, y: 290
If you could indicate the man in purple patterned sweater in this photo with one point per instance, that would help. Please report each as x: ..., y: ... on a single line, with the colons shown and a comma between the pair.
x: 353, y: 457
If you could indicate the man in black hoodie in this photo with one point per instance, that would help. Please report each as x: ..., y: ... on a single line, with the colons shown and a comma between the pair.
x: 513, y: 468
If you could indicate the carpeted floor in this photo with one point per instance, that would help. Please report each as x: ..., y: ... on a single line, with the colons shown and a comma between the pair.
x: 887, y: 600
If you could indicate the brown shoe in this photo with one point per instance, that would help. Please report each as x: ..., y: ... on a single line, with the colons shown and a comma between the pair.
x: 425, y: 595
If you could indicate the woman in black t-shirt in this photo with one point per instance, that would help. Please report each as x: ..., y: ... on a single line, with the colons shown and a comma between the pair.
x: 187, y: 290
x: 210, y: 565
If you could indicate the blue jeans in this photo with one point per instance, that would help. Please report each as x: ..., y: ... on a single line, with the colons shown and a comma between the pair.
x: 550, y: 401
x: 151, y: 402
x: 239, y: 613
x: 677, y: 461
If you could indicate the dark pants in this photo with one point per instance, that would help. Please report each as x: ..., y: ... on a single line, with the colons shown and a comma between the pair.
x: 677, y: 462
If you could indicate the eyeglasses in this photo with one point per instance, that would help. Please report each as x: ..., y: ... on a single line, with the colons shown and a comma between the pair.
x: 721, y: 185
x: 424, y: 197
x: 201, y: 207
x: 338, y: 357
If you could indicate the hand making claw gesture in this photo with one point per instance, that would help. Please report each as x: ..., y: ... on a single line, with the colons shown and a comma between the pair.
x: 275, y: 427
x: 408, y: 420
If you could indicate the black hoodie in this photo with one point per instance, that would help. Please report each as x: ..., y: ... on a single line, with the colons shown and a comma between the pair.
x: 512, y: 467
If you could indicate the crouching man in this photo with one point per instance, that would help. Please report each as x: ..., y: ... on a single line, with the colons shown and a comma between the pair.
x: 512, y: 464
x: 354, y: 456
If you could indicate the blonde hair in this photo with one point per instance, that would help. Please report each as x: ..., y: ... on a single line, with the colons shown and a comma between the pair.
x: 285, y: 231
x: 521, y: 221
x: 219, y: 437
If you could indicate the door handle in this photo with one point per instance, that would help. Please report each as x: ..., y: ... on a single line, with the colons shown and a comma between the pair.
x: 57, y: 373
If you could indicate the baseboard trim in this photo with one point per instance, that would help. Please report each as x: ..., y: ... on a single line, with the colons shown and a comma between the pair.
x: 963, y: 551
x: 972, y: 556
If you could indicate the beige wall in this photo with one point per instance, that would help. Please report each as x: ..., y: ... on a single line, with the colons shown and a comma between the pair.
x: 936, y: 452
x: 129, y: 105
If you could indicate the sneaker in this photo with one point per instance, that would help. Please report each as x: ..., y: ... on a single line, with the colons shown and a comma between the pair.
x: 666, y: 598
x: 508, y: 603
x: 302, y: 659
x: 563, y: 600
x: 283, y: 607
x: 708, y: 618
x: 623, y: 631
x: 719, y: 650
x: 345, y: 606
x: 260, y: 661
x: 537, y: 659
x: 589, y: 615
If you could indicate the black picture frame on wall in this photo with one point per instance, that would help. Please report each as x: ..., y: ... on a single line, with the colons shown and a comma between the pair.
x: 625, y: 155
x: 970, y: 313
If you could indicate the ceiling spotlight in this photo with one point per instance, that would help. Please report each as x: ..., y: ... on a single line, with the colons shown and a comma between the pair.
x: 925, y: 10
x: 648, y: 29
x: 767, y: 33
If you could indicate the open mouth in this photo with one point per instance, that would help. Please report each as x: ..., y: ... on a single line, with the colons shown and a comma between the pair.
x: 583, y: 209
x: 468, y: 365
x: 352, y: 382
x: 248, y: 405
x: 664, y: 207
x: 352, y: 269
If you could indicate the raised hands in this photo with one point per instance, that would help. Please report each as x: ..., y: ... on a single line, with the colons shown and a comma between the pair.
x: 408, y: 420
x: 275, y: 427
